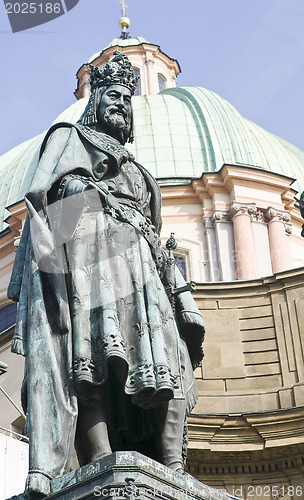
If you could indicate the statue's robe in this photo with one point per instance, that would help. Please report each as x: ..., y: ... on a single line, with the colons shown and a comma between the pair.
x: 93, y: 310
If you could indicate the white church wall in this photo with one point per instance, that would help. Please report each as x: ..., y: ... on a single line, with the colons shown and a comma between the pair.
x: 192, y: 250
x: 13, y: 466
x: 213, y: 261
x: 226, y: 250
x: 186, y: 222
x: 262, y: 250
x: 5, y: 273
x: 11, y: 382
x: 297, y: 251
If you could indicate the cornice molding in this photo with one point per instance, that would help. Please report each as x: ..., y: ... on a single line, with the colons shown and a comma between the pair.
x: 280, y: 461
x: 247, y: 288
x: 248, y: 432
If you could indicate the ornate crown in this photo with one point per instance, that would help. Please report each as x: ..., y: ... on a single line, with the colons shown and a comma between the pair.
x: 117, y: 72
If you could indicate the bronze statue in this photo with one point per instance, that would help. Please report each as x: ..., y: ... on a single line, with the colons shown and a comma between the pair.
x: 301, y: 205
x: 109, y: 353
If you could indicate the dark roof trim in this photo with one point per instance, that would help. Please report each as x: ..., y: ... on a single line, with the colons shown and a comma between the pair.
x: 4, y: 231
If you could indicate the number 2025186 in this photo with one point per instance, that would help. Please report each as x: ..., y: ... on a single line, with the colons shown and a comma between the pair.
x: 33, y: 8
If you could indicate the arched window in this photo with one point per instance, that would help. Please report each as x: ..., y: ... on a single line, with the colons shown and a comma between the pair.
x: 162, y: 82
x: 138, y: 86
x: 7, y: 317
x: 181, y: 264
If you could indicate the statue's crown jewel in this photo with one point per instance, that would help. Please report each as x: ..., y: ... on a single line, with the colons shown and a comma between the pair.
x: 117, y: 72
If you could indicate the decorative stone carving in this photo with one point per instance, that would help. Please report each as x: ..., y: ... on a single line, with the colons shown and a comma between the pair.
x: 242, y: 208
x: 281, y: 215
x: 288, y: 228
x: 220, y: 216
x: 129, y: 475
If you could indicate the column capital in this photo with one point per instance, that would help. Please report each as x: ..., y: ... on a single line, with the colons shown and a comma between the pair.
x: 208, y: 221
x: 242, y: 208
x: 220, y: 216
x: 277, y: 215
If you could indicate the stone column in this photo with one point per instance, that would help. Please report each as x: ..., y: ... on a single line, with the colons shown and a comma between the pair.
x: 245, y: 256
x: 278, y: 228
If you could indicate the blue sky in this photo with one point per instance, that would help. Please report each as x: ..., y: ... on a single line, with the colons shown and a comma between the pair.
x: 251, y: 52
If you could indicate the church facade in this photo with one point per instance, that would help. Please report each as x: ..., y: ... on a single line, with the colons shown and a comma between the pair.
x: 229, y: 194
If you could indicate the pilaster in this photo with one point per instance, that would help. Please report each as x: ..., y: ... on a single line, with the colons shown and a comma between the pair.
x: 152, y: 77
x: 214, y: 266
x: 225, y: 245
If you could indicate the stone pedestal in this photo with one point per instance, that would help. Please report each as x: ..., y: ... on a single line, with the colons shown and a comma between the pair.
x: 130, y: 476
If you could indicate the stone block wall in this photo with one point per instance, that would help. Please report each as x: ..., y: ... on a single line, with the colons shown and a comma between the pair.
x: 254, y: 344
x: 247, y: 429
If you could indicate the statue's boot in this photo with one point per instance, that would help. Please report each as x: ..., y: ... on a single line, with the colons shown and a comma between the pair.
x: 93, y: 440
x: 171, y: 422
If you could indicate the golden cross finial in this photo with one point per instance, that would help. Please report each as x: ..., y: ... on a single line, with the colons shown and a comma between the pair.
x: 124, y: 6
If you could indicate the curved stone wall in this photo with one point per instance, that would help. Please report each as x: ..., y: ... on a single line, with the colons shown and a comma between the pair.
x: 248, y: 425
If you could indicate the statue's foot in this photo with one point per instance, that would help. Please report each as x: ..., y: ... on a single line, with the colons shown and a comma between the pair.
x: 176, y: 467
x: 37, y: 486
x: 98, y: 456
x: 34, y: 495
x: 180, y: 470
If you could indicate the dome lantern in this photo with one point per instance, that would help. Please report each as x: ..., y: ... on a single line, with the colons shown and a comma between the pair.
x: 124, y: 21
x: 154, y: 69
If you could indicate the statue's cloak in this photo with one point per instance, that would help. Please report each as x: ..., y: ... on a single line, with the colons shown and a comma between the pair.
x: 70, y: 351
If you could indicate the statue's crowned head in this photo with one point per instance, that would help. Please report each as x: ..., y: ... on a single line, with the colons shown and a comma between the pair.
x: 118, y: 73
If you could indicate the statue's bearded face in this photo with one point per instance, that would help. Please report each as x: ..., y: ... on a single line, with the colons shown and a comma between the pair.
x: 114, y: 112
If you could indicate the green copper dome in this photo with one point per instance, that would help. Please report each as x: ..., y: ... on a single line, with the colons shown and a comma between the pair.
x: 179, y: 134
x: 184, y: 132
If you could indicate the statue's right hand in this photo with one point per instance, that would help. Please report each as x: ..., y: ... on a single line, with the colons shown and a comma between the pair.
x: 92, y: 197
x: 13, y: 291
x: 83, y: 191
x: 75, y: 186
